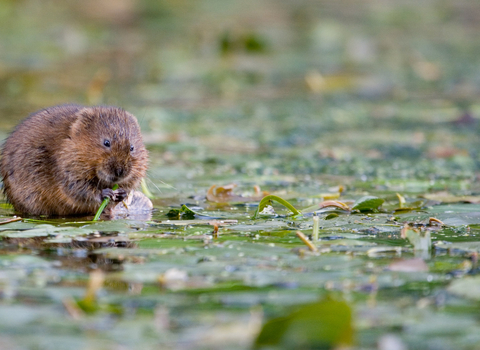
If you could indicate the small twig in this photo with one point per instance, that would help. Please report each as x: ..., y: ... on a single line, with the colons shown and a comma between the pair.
x: 306, y: 241
x: 10, y: 220
x: 215, y: 230
x: 432, y: 221
x: 72, y: 308
x: 337, y: 204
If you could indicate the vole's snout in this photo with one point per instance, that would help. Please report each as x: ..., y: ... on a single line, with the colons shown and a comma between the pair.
x: 119, y: 171
x: 115, y: 170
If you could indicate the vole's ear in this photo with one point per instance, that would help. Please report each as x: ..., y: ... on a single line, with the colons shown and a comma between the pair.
x: 84, y: 118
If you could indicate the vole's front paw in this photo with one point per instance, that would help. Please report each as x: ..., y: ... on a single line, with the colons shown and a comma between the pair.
x: 116, y: 196
x: 120, y: 195
x: 108, y: 193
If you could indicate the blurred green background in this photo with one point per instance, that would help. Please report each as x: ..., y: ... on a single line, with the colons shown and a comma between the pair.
x: 184, y: 56
x: 342, y: 80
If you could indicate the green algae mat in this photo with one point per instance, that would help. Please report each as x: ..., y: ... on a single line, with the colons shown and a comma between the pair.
x: 314, y: 167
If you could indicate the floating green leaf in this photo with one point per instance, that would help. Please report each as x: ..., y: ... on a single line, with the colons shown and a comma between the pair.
x: 266, y: 201
x: 174, y: 213
x: 331, y: 216
x: 321, y: 325
x: 188, y: 213
x: 367, y: 203
x: 183, y: 213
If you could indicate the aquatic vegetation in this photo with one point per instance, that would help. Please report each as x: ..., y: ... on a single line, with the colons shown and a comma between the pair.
x: 313, y: 169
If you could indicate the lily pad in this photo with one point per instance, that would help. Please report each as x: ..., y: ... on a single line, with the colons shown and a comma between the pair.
x: 367, y: 203
x: 468, y: 287
x: 324, y: 324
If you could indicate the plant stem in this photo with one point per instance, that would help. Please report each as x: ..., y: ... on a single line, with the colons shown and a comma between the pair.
x: 316, y: 225
x: 105, y: 202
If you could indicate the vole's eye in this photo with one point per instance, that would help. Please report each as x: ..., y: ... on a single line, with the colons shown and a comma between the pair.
x: 106, y: 143
x: 131, y: 148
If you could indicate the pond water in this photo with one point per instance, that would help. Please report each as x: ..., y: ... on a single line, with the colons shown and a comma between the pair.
x: 305, y: 100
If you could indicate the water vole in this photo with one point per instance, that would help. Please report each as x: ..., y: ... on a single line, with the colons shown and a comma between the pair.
x: 64, y: 160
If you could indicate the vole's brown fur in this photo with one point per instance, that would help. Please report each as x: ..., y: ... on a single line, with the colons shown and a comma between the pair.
x: 63, y: 160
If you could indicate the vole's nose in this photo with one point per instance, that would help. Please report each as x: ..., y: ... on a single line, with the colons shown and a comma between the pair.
x: 119, y: 172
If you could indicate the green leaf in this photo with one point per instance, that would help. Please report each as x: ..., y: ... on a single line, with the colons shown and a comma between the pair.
x: 185, y: 213
x: 367, y: 203
x: 331, y: 216
x: 266, y: 201
x: 188, y: 213
x: 174, y: 213
x: 323, y: 324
